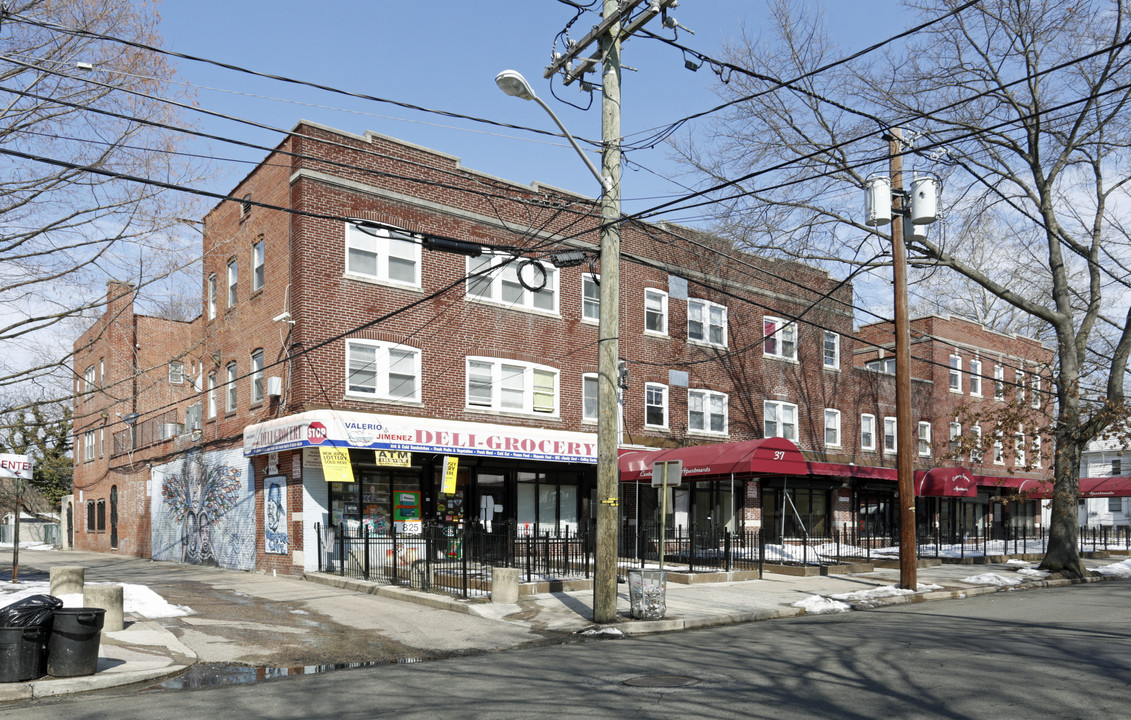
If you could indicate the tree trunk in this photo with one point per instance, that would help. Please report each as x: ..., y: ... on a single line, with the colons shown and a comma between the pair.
x: 1063, y: 553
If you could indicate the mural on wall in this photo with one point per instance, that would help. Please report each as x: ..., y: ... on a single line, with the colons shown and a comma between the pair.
x: 204, y: 511
x: 275, y: 538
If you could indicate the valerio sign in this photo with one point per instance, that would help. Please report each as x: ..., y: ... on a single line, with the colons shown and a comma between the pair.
x: 15, y: 466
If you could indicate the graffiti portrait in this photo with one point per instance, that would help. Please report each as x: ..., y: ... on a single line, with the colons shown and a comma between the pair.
x: 275, y: 538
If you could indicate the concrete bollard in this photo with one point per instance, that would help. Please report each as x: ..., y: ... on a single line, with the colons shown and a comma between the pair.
x: 109, y: 598
x: 67, y: 579
x: 504, y: 585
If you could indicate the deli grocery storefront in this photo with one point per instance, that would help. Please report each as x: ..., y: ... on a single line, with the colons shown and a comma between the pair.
x: 378, y: 472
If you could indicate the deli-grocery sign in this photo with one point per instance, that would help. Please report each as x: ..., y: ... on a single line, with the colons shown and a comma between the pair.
x: 15, y: 466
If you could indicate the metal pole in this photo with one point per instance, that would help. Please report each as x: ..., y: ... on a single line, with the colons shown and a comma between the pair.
x: 905, y: 469
x: 608, y: 332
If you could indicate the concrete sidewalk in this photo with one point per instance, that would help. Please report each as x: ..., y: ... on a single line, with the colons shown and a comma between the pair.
x: 146, y: 651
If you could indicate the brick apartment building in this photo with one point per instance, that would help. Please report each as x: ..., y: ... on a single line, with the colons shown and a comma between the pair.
x: 374, y: 297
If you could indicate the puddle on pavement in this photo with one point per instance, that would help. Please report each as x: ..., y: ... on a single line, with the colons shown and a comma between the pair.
x: 214, y: 675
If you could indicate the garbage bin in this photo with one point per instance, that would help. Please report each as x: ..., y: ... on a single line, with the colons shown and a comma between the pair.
x: 647, y: 593
x: 25, y: 626
x: 72, y: 649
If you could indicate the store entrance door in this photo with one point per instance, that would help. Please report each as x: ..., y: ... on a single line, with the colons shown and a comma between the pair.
x: 491, y: 501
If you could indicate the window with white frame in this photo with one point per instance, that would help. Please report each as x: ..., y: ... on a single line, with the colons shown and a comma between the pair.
x: 707, y: 322
x: 976, y: 378
x: 256, y: 376
x: 924, y: 439
x: 1019, y: 388
x: 591, y: 297
x: 976, y: 454
x: 999, y: 382
x: 89, y: 445
x: 889, y: 435
x: 1035, y: 391
x: 231, y: 392
x: 955, y: 437
x: 88, y: 380
x: 589, y: 397
x: 780, y: 419
x: 212, y: 296
x: 101, y: 441
x: 780, y: 338
x: 885, y: 366
x: 655, y: 405
x: 176, y: 372
x: 382, y: 254
x: 955, y: 373
x: 511, y: 386
x: 655, y: 311
x: 999, y: 449
x: 707, y: 412
x: 832, y: 350
x: 515, y: 282
x: 1036, y: 447
x: 233, y: 282
x: 383, y: 371
x: 832, y: 427
x: 212, y: 394
x: 257, y: 273
x: 1019, y: 448
x: 867, y: 432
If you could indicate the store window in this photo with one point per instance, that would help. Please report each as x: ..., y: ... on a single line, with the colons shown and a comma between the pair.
x: 547, y: 503
x: 378, y: 499
x: 793, y: 513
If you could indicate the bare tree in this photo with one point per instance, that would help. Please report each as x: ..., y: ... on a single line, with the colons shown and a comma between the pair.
x: 1021, y: 107
x: 76, y: 118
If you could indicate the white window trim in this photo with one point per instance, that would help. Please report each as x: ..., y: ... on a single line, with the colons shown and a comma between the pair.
x: 258, y: 272
x: 88, y: 446
x: 955, y: 438
x: 835, y: 414
x: 528, y: 369
x: 923, y: 425
x: 663, y: 297
x: 780, y: 405
x: 1019, y: 386
x: 378, y: 246
x: 231, y: 390
x: 213, y: 290
x: 255, y: 377
x: 707, y: 415
x: 888, y: 420
x: 999, y: 383
x: 955, y: 374
x: 836, y: 350
x: 233, y: 283
x: 975, y: 377
x: 870, y: 447
x: 176, y: 372
x: 594, y: 280
x: 666, y: 405
x: 382, y: 365
x: 584, y: 378
x: 706, y: 307
x: 977, y: 455
x: 212, y: 406
x: 999, y: 449
x: 1036, y: 449
x: 508, y: 264
x: 1035, y: 389
x: 780, y: 326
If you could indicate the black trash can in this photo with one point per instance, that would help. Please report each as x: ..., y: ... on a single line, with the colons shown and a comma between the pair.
x: 72, y: 649
x: 25, y: 627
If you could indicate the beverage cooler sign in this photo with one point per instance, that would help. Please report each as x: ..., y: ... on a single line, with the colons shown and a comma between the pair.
x: 407, y: 512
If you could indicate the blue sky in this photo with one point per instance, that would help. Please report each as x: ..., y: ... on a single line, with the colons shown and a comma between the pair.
x: 444, y: 55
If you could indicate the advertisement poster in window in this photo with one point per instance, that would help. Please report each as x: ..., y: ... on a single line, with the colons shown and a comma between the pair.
x: 406, y: 512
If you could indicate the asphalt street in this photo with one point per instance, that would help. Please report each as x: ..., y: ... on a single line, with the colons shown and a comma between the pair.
x: 1059, y: 652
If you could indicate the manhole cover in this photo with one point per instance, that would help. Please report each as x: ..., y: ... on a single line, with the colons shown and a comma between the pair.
x: 661, y: 681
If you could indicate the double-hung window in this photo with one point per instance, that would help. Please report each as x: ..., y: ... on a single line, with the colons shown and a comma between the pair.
x: 89, y: 379
x: 1019, y: 379
x: 591, y: 297
x: 233, y: 282
x: 885, y: 366
x: 513, y: 281
x: 955, y: 437
x: 999, y: 449
x: 832, y: 427
x: 383, y: 371
x: 924, y: 439
x: 655, y: 405
x: 589, y: 397
x: 88, y: 445
x: 256, y: 376
x: 976, y: 378
x: 976, y: 454
x: 955, y: 373
x: 780, y: 338
x: 889, y: 436
x: 176, y: 372
x: 832, y: 351
x: 707, y: 412
x: 867, y: 432
x: 707, y: 322
x: 1019, y: 448
x: 511, y: 386
x: 780, y: 419
x: 257, y: 266
x: 211, y: 394
x: 1035, y: 390
x: 230, y: 389
x: 212, y: 296
x: 655, y: 311
x: 999, y: 382
x: 382, y: 254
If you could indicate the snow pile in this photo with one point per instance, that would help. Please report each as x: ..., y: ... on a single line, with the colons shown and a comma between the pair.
x: 137, y: 600
x: 1022, y: 563
x: 817, y: 605
x: 1119, y: 569
x: 876, y: 593
x: 28, y: 545
x: 1033, y: 572
x: 992, y: 579
x: 606, y: 632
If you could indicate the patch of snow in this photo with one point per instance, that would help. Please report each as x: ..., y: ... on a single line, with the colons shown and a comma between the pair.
x: 991, y: 579
x: 602, y: 632
x: 28, y: 545
x: 882, y: 591
x: 136, y: 599
x: 1022, y: 563
x: 1119, y: 569
x: 818, y: 605
x: 1033, y: 572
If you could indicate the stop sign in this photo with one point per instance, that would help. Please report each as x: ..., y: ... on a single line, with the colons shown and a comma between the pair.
x: 315, y: 432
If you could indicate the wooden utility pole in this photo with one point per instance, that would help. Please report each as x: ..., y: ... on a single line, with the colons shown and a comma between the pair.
x: 908, y: 565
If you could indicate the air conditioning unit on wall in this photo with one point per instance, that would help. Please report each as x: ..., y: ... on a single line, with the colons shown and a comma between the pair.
x: 170, y: 430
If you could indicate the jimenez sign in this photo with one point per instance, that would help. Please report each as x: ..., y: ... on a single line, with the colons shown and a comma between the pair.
x: 408, y: 434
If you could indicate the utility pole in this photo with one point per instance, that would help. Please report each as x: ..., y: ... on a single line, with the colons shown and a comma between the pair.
x: 908, y: 565
x: 615, y: 26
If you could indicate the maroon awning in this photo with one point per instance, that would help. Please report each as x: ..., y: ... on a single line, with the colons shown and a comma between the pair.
x: 1089, y: 487
x: 768, y: 456
x: 945, y: 482
x: 862, y: 472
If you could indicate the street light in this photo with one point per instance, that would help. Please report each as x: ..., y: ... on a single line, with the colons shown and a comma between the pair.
x: 608, y: 324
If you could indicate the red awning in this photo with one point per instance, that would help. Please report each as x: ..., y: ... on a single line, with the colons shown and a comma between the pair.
x: 945, y: 482
x: 1089, y: 487
x: 862, y: 472
x: 768, y: 456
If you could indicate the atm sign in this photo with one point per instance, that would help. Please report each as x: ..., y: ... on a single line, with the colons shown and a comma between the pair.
x: 315, y: 432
